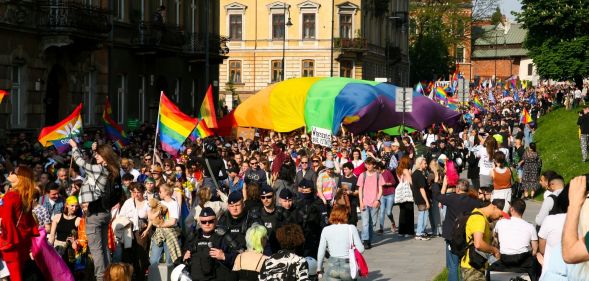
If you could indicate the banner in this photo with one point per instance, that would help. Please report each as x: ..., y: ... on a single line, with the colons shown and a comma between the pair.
x: 321, y: 136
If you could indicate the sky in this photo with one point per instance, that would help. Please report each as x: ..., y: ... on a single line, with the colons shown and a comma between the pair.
x: 507, y: 6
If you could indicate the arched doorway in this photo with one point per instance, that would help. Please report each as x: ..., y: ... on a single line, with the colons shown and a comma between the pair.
x: 55, y: 97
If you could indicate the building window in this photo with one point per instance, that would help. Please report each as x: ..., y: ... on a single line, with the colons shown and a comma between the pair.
x: 119, y: 10
x: 235, y: 27
x: 308, y: 68
x: 89, y: 98
x: 16, y: 97
x: 142, y: 104
x: 308, y: 26
x: 460, y: 54
x: 235, y: 71
x: 345, y: 26
x: 177, y: 91
x: 121, y: 93
x: 530, y: 69
x: 277, y: 26
x: 276, y: 71
x: 345, y: 68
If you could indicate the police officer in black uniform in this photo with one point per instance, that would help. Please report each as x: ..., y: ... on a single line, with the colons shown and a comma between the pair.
x: 309, y: 210
x: 211, y: 253
x: 236, y: 220
x: 269, y: 215
x: 287, y: 213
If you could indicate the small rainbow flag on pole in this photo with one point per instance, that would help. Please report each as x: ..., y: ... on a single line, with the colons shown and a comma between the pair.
x: 3, y: 93
x: 174, y: 126
x: 526, y: 117
x: 113, y: 130
x: 201, y: 131
x: 441, y: 93
x: 419, y: 88
x: 207, y: 109
x: 477, y: 103
x: 60, y: 134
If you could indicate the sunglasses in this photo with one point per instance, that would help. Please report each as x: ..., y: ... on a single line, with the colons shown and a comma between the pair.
x: 253, y: 163
x: 147, y: 159
x: 207, y: 222
x: 306, y: 162
x: 316, y: 161
x: 266, y: 196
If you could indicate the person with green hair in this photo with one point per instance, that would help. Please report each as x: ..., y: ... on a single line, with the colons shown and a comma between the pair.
x: 249, y: 263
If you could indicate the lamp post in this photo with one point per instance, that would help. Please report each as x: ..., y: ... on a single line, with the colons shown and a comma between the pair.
x: 387, y: 51
x: 287, y: 24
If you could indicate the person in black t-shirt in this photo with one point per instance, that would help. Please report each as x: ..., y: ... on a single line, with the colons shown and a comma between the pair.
x: 349, y: 184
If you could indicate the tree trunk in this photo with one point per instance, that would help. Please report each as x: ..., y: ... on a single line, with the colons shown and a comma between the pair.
x: 579, y: 81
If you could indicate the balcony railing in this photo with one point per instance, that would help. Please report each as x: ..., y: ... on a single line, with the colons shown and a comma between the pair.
x: 152, y: 34
x: 350, y: 43
x: 196, y: 43
x: 73, y: 16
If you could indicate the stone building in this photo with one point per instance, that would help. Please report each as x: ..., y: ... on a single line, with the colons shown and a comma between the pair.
x: 264, y: 34
x: 56, y: 54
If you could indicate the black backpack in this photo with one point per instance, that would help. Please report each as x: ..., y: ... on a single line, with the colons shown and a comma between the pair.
x: 113, y: 191
x: 458, y: 244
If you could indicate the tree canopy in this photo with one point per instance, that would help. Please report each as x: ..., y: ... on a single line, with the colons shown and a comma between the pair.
x: 558, y: 36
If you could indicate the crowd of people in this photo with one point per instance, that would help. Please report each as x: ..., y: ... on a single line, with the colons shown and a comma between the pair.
x: 278, y: 207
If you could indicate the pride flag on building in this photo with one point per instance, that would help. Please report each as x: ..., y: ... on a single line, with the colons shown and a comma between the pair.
x: 526, y: 117
x: 113, y: 130
x: 174, y: 126
x: 60, y: 134
x: 207, y: 109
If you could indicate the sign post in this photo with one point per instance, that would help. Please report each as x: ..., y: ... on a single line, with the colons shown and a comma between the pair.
x: 404, y: 102
x: 463, y: 89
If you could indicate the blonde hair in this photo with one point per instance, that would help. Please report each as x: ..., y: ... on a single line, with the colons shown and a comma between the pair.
x: 418, y: 162
x: 169, y: 188
x: 204, y: 195
x: 118, y: 272
x: 254, y: 237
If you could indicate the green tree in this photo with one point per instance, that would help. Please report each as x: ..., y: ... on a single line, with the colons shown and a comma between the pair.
x: 429, y: 58
x: 557, y: 37
x: 497, y: 16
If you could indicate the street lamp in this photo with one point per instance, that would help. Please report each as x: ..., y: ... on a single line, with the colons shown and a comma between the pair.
x: 287, y: 24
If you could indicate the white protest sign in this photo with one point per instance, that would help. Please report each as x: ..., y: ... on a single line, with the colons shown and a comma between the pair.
x: 321, y: 136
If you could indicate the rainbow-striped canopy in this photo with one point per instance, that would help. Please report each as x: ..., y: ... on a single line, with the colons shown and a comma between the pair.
x: 328, y: 102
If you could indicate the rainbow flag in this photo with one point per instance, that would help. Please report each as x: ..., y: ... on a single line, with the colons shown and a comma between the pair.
x: 441, y: 94
x: 453, y: 103
x: 419, y: 88
x: 477, y: 103
x: 201, y: 131
x: 526, y: 117
x: 60, y: 134
x: 207, y: 109
x: 3, y: 93
x: 174, y: 126
x: 113, y: 130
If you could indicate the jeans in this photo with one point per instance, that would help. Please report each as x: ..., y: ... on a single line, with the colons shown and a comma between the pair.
x: 386, y: 208
x: 97, y: 232
x: 453, y: 264
x: 156, y: 253
x: 338, y: 269
x: 421, y: 222
x: 368, y: 223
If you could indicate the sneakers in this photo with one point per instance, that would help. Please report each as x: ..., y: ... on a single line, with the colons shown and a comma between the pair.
x: 421, y: 237
x: 367, y: 245
x: 380, y: 232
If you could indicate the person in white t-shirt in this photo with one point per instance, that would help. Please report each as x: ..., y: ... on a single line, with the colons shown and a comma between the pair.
x: 518, y: 240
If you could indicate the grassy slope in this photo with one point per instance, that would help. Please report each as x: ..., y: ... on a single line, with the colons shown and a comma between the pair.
x: 558, y: 144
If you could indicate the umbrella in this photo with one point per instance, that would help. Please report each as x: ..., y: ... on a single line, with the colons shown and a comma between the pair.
x: 328, y: 102
x: 396, y: 131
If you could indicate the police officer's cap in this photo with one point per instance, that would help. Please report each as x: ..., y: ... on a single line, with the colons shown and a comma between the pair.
x: 305, y: 183
x: 235, y: 197
x: 286, y: 194
x: 266, y: 189
x: 207, y: 212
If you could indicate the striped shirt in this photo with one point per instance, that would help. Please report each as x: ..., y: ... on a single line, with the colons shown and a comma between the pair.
x: 95, y: 180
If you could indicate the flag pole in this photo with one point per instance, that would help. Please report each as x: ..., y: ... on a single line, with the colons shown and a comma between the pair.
x: 157, y: 128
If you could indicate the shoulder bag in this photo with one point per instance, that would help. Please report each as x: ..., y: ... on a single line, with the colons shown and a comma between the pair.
x: 358, y: 265
x: 403, y: 191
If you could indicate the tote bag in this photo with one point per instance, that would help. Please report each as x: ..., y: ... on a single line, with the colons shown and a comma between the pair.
x: 358, y: 265
x: 403, y: 192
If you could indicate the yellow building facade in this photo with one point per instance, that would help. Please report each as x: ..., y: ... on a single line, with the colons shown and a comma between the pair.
x: 368, y: 41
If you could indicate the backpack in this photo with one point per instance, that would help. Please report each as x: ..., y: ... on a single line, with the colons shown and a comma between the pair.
x: 113, y: 191
x: 458, y: 243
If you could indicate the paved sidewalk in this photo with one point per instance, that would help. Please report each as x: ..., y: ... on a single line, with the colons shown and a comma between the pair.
x: 406, y: 259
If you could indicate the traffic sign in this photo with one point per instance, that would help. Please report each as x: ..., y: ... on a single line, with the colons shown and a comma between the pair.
x: 404, y: 100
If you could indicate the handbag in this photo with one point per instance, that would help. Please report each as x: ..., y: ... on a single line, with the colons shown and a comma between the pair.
x: 403, y: 192
x: 358, y: 265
